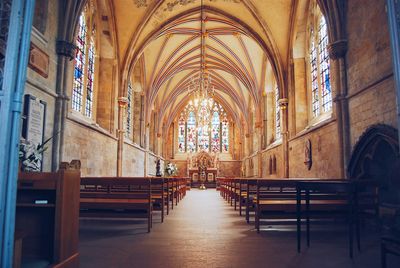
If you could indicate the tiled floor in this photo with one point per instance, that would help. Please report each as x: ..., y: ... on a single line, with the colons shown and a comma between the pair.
x: 204, y: 231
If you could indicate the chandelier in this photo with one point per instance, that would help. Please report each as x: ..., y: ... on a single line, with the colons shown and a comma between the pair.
x: 200, y: 87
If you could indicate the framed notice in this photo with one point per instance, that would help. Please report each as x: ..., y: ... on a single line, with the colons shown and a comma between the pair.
x: 33, y: 128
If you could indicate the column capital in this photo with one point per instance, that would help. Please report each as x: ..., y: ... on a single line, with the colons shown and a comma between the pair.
x: 122, y: 102
x: 337, y: 49
x: 283, y: 103
x: 66, y: 49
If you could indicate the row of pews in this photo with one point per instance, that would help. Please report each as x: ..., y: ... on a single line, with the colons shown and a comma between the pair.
x: 130, y: 197
x: 303, y: 201
x: 50, y: 204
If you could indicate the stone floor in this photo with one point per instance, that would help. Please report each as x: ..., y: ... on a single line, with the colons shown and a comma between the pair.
x: 204, y: 231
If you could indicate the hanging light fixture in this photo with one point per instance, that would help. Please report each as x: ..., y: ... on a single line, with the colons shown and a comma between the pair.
x: 200, y: 86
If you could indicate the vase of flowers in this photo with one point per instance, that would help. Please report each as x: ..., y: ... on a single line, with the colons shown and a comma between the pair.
x: 31, y: 155
x: 171, y: 169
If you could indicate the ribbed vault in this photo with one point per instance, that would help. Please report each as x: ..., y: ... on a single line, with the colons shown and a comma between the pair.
x: 233, y: 56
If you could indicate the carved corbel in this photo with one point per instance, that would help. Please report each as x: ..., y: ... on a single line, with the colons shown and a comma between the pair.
x: 337, y: 50
x: 66, y: 49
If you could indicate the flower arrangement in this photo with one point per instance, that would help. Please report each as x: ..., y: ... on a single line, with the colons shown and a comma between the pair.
x: 30, y: 155
x: 171, y: 169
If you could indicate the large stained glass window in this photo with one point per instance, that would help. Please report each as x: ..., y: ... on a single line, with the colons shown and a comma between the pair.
x: 321, y: 94
x: 191, y: 132
x: 215, y: 132
x: 181, y: 134
x: 204, y: 137
x: 203, y: 126
x: 277, y: 114
x: 84, y: 64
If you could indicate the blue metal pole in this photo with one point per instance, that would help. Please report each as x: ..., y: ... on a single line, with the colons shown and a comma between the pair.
x: 18, y: 49
x: 393, y: 10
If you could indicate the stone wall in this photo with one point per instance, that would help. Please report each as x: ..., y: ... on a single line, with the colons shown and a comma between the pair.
x: 372, y: 96
x: 133, y: 160
x: 229, y: 168
x: 43, y: 86
x: 325, y: 153
x: 267, y: 157
x: 96, y: 149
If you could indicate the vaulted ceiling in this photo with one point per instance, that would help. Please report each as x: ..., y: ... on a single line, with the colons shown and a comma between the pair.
x: 244, y: 44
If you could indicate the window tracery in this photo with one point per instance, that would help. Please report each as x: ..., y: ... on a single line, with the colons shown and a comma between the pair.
x: 84, y: 64
x: 321, y: 93
x: 203, y: 126
x: 277, y: 115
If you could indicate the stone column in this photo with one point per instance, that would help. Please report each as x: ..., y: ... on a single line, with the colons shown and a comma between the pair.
x: 337, y: 51
x: 66, y: 52
x: 122, y: 103
x: 147, y: 149
x: 283, y: 105
x: 259, y: 133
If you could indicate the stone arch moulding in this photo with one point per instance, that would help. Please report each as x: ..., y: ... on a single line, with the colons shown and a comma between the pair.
x: 367, y: 146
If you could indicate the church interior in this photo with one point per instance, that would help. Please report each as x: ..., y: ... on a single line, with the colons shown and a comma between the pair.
x: 199, y: 133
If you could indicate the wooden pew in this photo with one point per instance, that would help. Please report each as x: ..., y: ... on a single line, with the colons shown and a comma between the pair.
x: 347, y: 198
x: 129, y: 197
x: 251, y: 196
x: 47, y: 217
x: 159, y: 195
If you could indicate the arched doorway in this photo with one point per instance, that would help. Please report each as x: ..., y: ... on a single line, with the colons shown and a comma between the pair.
x: 376, y: 156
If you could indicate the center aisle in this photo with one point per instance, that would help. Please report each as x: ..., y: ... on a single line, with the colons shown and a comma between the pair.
x: 204, y: 231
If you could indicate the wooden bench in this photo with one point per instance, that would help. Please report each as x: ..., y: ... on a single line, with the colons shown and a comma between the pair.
x: 344, y: 197
x: 160, y: 195
x: 47, y: 217
x: 121, y: 197
x: 390, y: 244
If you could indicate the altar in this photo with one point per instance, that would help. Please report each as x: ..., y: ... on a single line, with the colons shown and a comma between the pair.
x: 203, y: 168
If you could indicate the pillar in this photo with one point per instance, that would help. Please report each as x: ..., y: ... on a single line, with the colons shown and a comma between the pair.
x: 337, y: 51
x: 283, y: 105
x: 122, y: 103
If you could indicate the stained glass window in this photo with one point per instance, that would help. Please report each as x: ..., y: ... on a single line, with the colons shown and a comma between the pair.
x: 204, y: 126
x: 225, y: 134
x: 277, y: 114
x: 90, y: 79
x: 129, y: 96
x: 191, y: 132
x: 80, y: 59
x: 314, y: 76
x: 215, y: 132
x: 321, y: 93
x: 326, y: 94
x: 84, y: 65
x: 204, y: 138
x: 181, y: 134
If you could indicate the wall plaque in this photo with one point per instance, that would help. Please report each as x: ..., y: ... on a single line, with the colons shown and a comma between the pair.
x: 39, y: 61
x: 34, y: 123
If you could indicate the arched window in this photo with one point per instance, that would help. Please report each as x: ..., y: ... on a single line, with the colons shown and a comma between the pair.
x: 181, y: 134
x: 321, y: 93
x: 191, y: 132
x: 203, y: 126
x: 84, y: 69
x: 225, y: 134
x: 215, y: 132
x: 129, y: 95
x: 277, y: 115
